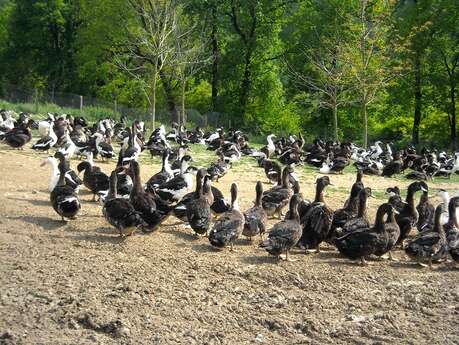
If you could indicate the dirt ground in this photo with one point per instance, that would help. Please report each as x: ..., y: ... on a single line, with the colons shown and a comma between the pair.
x: 79, y: 283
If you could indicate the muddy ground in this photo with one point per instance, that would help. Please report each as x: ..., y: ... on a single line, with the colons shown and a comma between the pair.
x: 79, y: 283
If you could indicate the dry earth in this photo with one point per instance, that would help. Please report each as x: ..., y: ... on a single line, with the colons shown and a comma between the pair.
x: 78, y: 283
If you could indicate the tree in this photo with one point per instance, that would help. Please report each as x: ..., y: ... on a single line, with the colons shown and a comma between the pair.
x: 41, y: 45
x: 446, y: 52
x: 149, y: 44
x: 328, y: 81
x: 190, y: 55
x: 413, y: 31
x: 368, y: 55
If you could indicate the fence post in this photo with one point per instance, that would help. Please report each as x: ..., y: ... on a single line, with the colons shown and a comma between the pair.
x: 36, y: 100
x: 81, y: 104
x: 116, y: 108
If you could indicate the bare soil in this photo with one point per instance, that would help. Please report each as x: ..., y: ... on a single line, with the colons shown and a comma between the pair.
x: 79, y: 283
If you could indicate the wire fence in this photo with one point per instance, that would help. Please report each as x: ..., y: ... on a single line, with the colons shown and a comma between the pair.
x: 94, y: 108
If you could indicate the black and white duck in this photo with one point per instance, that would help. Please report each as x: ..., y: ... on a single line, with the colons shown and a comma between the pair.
x: 429, y: 246
x: 176, y: 158
x: 408, y: 216
x: 361, y: 244
x: 64, y: 198
x: 104, y: 149
x: 198, y: 211
x: 93, y: 178
x: 162, y: 176
x: 68, y: 147
x: 318, y: 219
x: 255, y: 217
x: 276, y: 198
x: 175, y: 189
x: 417, y: 175
x: 180, y: 210
x: 230, y: 152
x: 426, y: 213
x: 284, y: 235
x: 71, y: 177
x: 131, y: 149
x: 452, y: 229
x: 143, y: 202
x: 270, y: 148
x: 229, y: 226
x: 197, y: 136
x: 119, y: 212
x: 46, y: 142
x: 273, y: 171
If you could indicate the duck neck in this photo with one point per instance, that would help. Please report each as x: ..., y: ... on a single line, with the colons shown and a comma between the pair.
x: 410, y: 198
x: 362, y: 206
x: 285, y: 182
x: 183, y: 167
x: 112, y: 191
x: 270, y: 143
x: 452, y: 214
x: 61, y: 181
x: 137, y: 182
x: 258, y: 198
x: 54, y: 167
x: 438, y: 227
x: 319, y: 193
x: 199, y: 185
x: 379, y: 221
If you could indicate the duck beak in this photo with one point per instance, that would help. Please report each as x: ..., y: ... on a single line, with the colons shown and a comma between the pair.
x: 42, y: 164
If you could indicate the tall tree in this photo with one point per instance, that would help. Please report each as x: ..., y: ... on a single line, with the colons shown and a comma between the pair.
x: 414, y: 30
x: 148, y: 46
x: 367, y: 53
x: 446, y: 52
x: 41, y: 49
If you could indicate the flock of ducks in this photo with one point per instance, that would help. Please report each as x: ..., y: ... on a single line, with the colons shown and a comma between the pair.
x: 129, y: 204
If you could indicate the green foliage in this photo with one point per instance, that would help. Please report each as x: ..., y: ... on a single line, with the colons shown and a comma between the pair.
x: 252, y: 53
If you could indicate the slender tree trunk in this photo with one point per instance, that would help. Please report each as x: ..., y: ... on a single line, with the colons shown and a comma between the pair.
x: 170, y: 99
x: 183, y: 101
x: 453, y: 116
x: 335, y: 120
x: 216, y: 60
x: 365, y: 123
x: 153, y: 97
x: 417, y: 98
x: 246, y: 83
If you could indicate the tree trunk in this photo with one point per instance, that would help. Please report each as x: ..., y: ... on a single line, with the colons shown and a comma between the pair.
x: 335, y: 121
x: 453, y: 116
x: 365, y: 123
x: 216, y: 60
x: 417, y: 98
x: 246, y: 83
x: 170, y: 99
x: 183, y: 101
x: 153, y: 97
